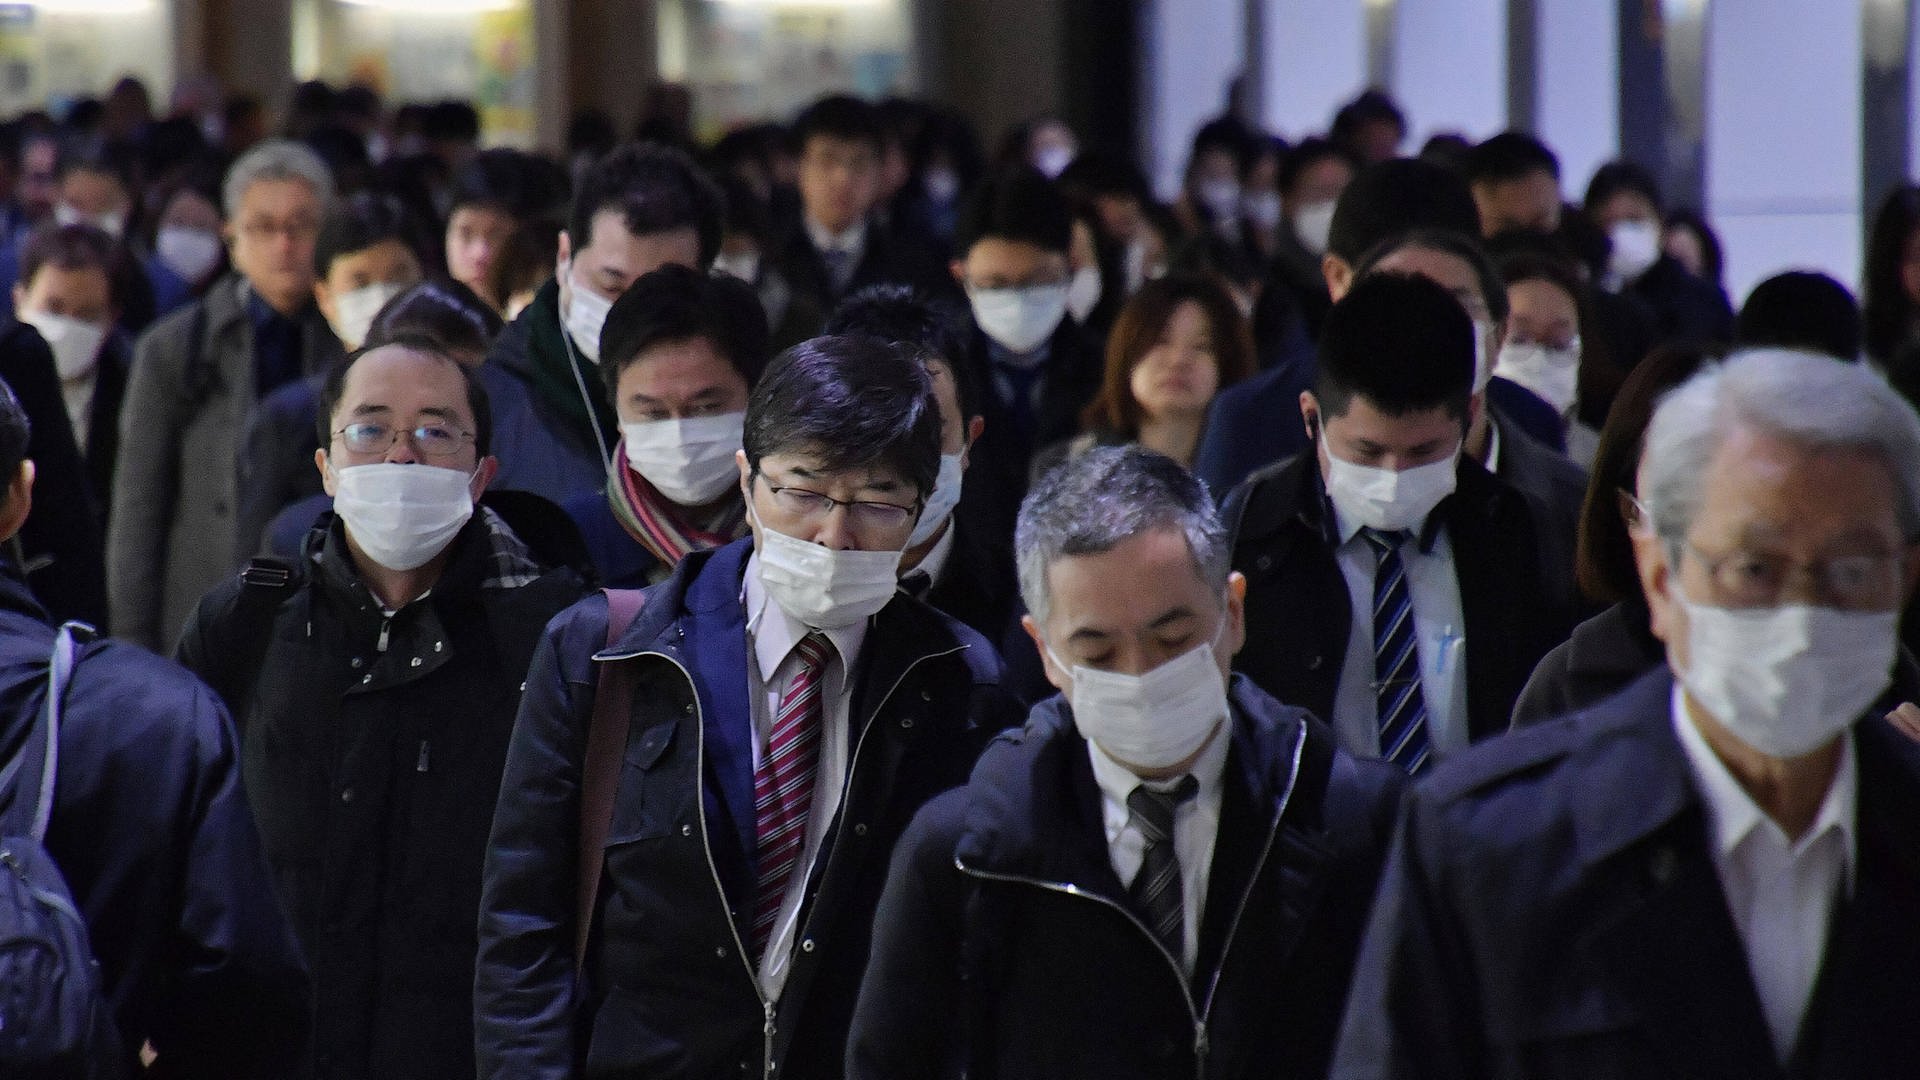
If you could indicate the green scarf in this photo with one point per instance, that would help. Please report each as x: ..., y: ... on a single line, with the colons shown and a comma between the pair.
x: 551, y: 363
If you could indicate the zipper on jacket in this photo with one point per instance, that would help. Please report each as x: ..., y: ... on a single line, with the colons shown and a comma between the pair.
x: 1198, y: 1012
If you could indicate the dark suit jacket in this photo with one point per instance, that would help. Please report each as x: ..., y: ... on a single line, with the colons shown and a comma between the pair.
x: 1256, y: 421
x: 1556, y: 488
x: 62, y: 546
x: 1551, y: 909
x: 103, y: 417
x: 977, y: 585
x: 1603, y: 654
x: 1299, y: 613
x: 887, y: 258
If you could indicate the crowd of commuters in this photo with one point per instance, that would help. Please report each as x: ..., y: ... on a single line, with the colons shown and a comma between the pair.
x: 838, y: 602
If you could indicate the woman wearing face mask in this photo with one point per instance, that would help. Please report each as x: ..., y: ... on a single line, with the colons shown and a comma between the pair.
x: 680, y: 352
x: 186, y: 239
x: 1552, y: 349
x: 1624, y: 203
x: 1177, y: 342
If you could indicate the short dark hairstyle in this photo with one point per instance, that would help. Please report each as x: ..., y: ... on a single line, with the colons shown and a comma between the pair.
x: 506, y: 180
x: 335, y: 388
x: 1617, y: 176
x: 850, y: 401
x: 1094, y: 173
x: 1015, y: 202
x: 442, y: 310
x: 357, y: 223
x: 451, y: 119
x: 15, y: 432
x: 1401, y: 342
x: 1800, y: 309
x: 76, y: 247
x: 1393, y: 197
x: 1510, y: 155
x: 1462, y: 246
x: 840, y: 116
x: 746, y: 214
x: 1369, y: 107
x: 1307, y: 153
x: 903, y: 315
x: 654, y: 189
x: 677, y: 303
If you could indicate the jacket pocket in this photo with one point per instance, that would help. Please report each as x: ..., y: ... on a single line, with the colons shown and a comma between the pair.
x: 655, y: 781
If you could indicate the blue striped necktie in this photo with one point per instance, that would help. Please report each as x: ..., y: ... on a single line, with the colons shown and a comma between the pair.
x: 1402, y: 708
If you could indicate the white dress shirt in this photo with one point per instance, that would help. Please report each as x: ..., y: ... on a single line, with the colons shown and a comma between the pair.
x: 1196, y: 824
x: 935, y: 561
x: 771, y: 636
x: 852, y: 241
x: 1781, y: 892
x: 1440, y: 630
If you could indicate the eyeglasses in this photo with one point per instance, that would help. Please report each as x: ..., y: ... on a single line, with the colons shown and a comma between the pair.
x: 807, y: 505
x: 1749, y: 579
x: 262, y: 229
x: 429, y: 440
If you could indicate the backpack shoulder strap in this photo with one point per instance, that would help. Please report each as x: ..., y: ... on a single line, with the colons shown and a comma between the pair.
x: 600, y: 772
x: 247, y: 632
x: 31, y: 774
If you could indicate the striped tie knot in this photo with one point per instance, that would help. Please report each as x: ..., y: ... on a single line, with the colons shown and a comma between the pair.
x: 1154, y: 809
x: 1385, y: 541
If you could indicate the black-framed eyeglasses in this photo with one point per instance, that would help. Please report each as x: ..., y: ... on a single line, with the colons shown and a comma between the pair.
x: 805, y: 504
x: 429, y: 440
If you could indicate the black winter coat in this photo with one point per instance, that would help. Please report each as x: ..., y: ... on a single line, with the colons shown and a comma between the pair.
x: 373, y: 747
x: 1006, y: 946
x: 668, y: 992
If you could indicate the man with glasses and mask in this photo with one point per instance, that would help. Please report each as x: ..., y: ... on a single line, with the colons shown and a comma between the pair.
x: 374, y: 683
x: 196, y: 376
x: 1420, y: 568
x: 789, y: 710
x: 1166, y: 872
x: 1713, y: 871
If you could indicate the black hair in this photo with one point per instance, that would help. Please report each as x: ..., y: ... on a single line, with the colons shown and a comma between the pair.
x: 1392, y: 197
x: 1307, y: 153
x: 675, y: 303
x: 1462, y: 246
x: 1093, y: 174
x: 453, y: 120
x: 16, y: 430
x: 358, y: 101
x: 850, y: 402
x: 105, y: 159
x: 505, y: 180
x: 335, y: 387
x: 345, y: 155
x: 1510, y: 155
x: 441, y: 309
x: 1223, y: 133
x: 357, y: 223
x: 1713, y: 257
x: 1617, y: 176
x: 1015, y: 202
x: 1800, y: 309
x: 1888, y: 308
x: 1371, y: 106
x: 1447, y: 149
x: 1401, y: 342
x: 590, y: 131
x: 903, y: 315
x: 843, y: 117
x: 655, y: 189
x: 745, y: 212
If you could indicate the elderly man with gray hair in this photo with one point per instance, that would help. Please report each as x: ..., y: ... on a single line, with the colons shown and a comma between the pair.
x: 196, y: 375
x: 1167, y: 871
x: 1713, y: 872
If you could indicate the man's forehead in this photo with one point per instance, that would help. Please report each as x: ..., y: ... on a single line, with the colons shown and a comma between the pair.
x: 812, y: 468
x: 396, y: 377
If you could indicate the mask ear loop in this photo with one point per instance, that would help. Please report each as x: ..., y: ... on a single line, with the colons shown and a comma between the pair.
x: 593, y: 416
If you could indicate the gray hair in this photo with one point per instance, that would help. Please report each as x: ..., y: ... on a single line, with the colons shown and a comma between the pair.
x: 277, y: 159
x: 1094, y: 501
x: 1812, y: 400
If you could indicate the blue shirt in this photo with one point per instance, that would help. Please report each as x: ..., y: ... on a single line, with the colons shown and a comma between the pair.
x: 276, y: 345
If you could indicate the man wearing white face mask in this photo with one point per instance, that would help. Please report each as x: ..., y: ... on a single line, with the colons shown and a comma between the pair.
x: 1717, y: 859
x: 375, y: 682
x: 789, y: 710
x: 1423, y: 571
x: 681, y: 353
x: 1126, y: 888
x: 639, y: 208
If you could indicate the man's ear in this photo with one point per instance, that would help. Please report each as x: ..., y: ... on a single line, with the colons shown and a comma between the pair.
x: 483, y: 475
x: 19, y: 501
x: 1656, y: 582
x: 1059, y: 679
x: 1310, y: 413
x: 974, y: 427
x: 1337, y: 274
x: 1235, y: 637
x: 326, y: 474
x: 959, y: 271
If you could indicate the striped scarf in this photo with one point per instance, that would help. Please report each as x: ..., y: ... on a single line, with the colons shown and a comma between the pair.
x: 659, y: 524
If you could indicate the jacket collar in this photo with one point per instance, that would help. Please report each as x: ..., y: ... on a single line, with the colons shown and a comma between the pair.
x: 15, y: 597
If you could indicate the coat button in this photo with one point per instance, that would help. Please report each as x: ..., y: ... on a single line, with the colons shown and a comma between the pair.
x: 416, y: 662
x: 906, y: 721
x: 359, y: 662
x: 860, y: 828
x: 807, y: 945
x: 721, y: 952
x: 1263, y: 563
x: 438, y: 645
x: 687, y: 708
x: 1314, y: 662
x: 926, y: 695
x: 686, y: 830
x: 346, y: 795
x: 365, y: 679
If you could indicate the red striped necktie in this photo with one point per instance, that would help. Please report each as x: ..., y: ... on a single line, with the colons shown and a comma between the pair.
x: 783, y: 785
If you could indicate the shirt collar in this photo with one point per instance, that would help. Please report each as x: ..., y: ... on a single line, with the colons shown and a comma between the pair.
x: 936, y: 557
x: 1733, y: 813
x: 774, y: 633
x: 854, y: 239
x: 1116, y: 781
x: 1493, y: 447
x: 259, y: 312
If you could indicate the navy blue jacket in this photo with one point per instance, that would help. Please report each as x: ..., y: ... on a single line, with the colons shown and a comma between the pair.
x: 668, y: 991
x: 1551, y: 909
x: 1255, y: 422
x: 151, y: 830
x: 1007, y: 947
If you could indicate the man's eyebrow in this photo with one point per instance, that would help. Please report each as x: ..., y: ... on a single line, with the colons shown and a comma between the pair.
x: 1174, y: 615
x: 440, y: 412
x: 1087, y: 633
x: 370, y: 410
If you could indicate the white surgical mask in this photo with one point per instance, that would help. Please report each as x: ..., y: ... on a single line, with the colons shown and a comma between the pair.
x: 401, y: 516
x: 689, y: 461
x: 940, y: 504
x: 113, y: 222
x: 1636, y: 247
x: 1552, y: 375
x: 1786, y: 680
x: 1313, y: 224
x: 1083, y: 293
x: 823, y: 588
x: 1136, y: 265
x: 1020, y: 319
x: 1482, y: 355
x: 75, y: 342
x: 745, y: 265
x: 188, y: 251
x: 1261, y: 209
x: 1151, y: 721
x: 586, y: 313
x: 354, y: 311
x: 941, y: 185
x: 1389, y: 499
x: 1221, y: 197
x: 1053, y: 160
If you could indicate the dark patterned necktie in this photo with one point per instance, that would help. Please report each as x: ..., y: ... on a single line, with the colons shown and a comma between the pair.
x: 1396, y: 657
x: 1156, y: 889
